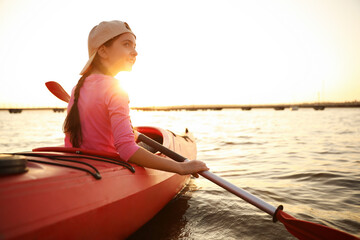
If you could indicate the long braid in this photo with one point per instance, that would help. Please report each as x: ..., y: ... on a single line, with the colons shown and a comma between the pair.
x: 72, y: 123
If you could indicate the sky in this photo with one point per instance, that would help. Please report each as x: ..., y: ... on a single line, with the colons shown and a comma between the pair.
x: 189, y: 51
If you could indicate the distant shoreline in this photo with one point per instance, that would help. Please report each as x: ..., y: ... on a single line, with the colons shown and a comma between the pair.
x: 245, y: 107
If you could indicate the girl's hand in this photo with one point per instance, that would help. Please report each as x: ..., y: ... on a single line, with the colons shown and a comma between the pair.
x: 193, y: 167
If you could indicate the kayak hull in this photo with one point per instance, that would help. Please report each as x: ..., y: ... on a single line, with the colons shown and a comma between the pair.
x: 104, y: 219
x: 52, y: 202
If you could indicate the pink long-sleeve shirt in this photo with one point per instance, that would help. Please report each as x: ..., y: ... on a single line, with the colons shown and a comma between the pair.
x: 104, y: 117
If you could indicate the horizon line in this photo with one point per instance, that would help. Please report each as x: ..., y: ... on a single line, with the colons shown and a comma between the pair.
x: 354, y: 103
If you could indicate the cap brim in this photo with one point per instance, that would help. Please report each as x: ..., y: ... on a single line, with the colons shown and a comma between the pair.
x: 86, y: 68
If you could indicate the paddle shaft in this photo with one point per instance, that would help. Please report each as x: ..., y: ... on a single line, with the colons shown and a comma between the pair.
x: 248, y: 197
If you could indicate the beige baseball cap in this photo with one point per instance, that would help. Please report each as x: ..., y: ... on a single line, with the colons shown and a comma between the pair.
x: 102, y: 33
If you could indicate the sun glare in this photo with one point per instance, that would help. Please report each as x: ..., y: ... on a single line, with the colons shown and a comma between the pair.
x: 136, y: 89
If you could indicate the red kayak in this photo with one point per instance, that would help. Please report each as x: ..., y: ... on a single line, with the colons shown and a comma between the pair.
x: 69, y: 193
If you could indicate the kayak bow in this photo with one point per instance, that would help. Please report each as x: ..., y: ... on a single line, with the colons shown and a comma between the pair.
x: 53, y: 200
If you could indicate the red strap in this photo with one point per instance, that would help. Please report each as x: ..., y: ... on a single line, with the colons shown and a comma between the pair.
x: 78, y: 151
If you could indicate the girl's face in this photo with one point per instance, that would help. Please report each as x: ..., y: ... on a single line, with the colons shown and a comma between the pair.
x: 121, y: 55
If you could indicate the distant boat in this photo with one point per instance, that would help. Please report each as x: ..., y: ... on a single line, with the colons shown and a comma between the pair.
x: 279, y: 108
x: 15, y: 110
x: 319, y: 107
x: 58, y: 109
x: 294, y: 108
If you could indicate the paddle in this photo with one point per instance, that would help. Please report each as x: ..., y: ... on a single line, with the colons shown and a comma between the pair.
x: 299, y: 228
x: 56, y: 89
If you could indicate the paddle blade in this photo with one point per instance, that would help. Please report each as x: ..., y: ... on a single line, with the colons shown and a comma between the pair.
x: 304, y: 230
x: 58, y: 91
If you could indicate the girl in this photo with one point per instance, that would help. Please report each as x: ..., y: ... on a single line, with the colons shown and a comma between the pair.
x: 99, y: 113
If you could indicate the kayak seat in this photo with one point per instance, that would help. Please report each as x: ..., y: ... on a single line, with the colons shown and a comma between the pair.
x: 153, y: 135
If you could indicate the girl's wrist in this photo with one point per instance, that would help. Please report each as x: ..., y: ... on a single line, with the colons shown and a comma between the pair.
x: 180, y: 168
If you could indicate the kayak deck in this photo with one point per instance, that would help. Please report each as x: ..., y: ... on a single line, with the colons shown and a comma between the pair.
x: 51, y: 201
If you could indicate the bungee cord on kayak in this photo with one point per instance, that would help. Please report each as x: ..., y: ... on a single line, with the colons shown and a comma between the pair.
x: 95, y: 174
x: 80, y: 154
x: 70, y: 158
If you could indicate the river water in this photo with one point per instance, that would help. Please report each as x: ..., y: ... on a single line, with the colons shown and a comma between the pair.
x: 306, y: 160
